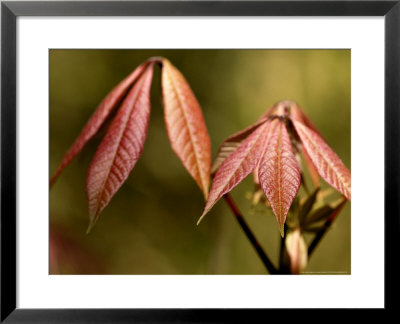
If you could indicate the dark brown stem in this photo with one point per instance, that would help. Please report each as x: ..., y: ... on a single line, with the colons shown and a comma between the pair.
x: 320, y: 234
x: 283, y: 265
x: 238, y: 215
x: 282, y: 251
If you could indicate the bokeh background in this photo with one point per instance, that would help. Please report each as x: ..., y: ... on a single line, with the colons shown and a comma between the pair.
x: 149, y: 227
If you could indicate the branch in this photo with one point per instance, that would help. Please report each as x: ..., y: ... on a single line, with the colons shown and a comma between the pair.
x: 320, y: 234
x: 283, y: 261
x: 263, y: 256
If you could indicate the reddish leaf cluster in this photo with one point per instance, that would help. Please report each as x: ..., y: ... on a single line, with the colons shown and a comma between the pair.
x: 267, y: 149
x: 123, y: 143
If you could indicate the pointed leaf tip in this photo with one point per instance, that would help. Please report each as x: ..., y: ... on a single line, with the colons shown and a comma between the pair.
x: 237, y: 166
x: 185, y: 125
x: 121, y: 147
x: 90, y: 226
x: 200, y: 219
x: 282, y: 230
x: 325, y: 160
x: 279, y: 173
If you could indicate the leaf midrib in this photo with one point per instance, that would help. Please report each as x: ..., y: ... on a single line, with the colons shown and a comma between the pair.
x: 139, y: 85
x: 181, y: 105
x: 326, y: 160
x: 279, y: 174
x: 247, y: 153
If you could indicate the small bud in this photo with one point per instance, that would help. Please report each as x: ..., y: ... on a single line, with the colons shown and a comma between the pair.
x: 297, y: 250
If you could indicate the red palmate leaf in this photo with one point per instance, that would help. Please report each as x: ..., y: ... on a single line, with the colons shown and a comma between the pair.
x: 98, y: 118
x: 232, y: 142
x: 327, y: 163
x: 185, y: 125
x: 280, y: 109
x: 279, y: 173
x: 121, y: 147
x: 297, y: 114
x: 237, y: 165
x: 229, y: 145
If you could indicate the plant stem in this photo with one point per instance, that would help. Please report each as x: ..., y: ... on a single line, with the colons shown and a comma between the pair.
x: 318, y: 238
x: 282, y: 251
x: 320, y: 234
x: 263, y: 256
x: 283, y: 265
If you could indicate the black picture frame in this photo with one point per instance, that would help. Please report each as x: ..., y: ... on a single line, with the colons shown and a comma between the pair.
x: 10, y: 10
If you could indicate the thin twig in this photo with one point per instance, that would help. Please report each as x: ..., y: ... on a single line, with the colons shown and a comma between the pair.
x: 283, y: 266
x: 263, y: 256
x: 320, y: 234
x: 318, y: 238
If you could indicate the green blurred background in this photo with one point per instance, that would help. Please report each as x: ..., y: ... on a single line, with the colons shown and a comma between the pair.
x: 149, y: 227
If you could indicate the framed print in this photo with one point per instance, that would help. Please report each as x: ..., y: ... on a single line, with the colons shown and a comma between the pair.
x: 122, y: 107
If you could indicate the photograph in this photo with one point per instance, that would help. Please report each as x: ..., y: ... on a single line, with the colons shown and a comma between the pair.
x: 199, y: 161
